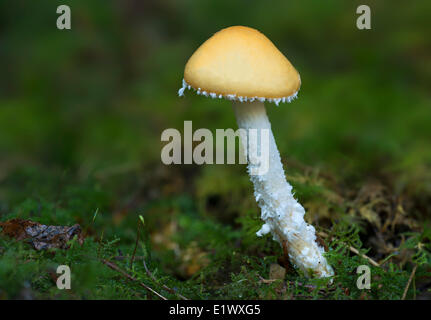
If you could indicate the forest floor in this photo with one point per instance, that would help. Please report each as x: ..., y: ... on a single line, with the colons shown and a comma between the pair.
x: 179, y: 240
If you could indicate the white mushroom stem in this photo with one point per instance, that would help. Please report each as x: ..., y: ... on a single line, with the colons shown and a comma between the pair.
x: 282, y: 213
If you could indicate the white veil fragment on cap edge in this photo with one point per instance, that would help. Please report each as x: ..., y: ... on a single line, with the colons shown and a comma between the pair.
x: 235, y: 97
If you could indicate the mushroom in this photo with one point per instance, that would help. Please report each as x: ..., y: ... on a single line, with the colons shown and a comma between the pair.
x: 241, y: 64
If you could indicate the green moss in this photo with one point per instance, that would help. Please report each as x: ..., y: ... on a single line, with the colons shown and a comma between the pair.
x: 201, y: 258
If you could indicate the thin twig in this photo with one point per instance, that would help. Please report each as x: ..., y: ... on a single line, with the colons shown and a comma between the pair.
x: 408, y: 282
x: 164, y: 286
x: 148, y: 271
x: 136, y: 246
x: 266, y: 281
x: 356, y: 251
x: 113, y: 266
x: 352, y: 249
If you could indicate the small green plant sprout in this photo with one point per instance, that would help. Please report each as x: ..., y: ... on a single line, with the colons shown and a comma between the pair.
x: 142, y: 220
x: 243, y: 65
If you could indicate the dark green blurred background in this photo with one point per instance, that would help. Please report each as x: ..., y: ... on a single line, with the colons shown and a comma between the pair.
x: 94, y: 100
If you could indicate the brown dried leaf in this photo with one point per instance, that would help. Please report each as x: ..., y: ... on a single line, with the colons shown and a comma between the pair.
x: 374, y: 203
x: 276, y: 272
x: 193, y: 259
x: 41, y: 236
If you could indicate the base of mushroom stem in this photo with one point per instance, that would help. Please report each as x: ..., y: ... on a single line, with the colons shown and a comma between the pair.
x: 305, y: 255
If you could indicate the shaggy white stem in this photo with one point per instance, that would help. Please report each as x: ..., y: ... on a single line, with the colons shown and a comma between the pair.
x: 282, y: 214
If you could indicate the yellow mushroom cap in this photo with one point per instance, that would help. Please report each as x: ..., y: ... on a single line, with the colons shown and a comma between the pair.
x: 240, y: 63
